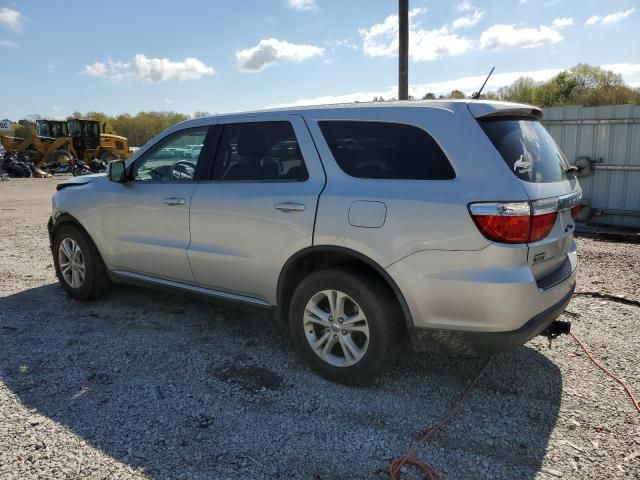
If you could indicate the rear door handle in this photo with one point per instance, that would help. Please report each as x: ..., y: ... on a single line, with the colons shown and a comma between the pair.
x: 173, y: 201
x: 290, y: 207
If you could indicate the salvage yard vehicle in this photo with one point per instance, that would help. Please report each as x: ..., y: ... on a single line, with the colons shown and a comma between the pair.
x: 449, y: 222
x: 91, y: 144
x: 41, y: 148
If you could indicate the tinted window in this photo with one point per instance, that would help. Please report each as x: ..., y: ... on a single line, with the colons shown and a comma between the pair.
x: 259, y: 151
x: 170, y: 160
x: 386, y: 150
x: 527, y: 148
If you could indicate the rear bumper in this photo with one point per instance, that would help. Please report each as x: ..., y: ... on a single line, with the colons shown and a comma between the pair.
x: 490, y: 295
x: 440, y: 340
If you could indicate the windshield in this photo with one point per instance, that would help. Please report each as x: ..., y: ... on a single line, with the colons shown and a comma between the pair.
x: 527, y: 148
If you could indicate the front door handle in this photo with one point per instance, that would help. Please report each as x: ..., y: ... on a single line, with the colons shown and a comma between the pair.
x: 173, y: 201
x: 290, y: 207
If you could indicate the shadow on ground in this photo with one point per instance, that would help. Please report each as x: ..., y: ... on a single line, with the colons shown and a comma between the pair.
x: 177, y: 386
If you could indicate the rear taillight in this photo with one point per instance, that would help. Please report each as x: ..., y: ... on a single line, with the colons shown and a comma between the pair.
x: 503, y: 222
x: 515, y: 222
x: 543, y: 217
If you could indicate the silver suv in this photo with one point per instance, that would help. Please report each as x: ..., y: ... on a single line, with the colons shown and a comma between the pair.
x: 448, y: 222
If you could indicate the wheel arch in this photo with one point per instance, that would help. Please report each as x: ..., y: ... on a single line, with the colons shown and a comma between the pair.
x: 68, y: 219
x: 305, y: 261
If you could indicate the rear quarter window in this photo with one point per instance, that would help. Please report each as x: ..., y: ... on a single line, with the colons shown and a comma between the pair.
x: 527, y: 148
x: 386, y: 150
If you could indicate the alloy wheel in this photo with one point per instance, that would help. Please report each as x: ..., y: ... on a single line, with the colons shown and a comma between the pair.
x: 71, y: 262
x: 336, y: 328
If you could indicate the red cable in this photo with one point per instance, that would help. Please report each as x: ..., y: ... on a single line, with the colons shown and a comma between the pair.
x: 636, y: 404
x: 429, y: 471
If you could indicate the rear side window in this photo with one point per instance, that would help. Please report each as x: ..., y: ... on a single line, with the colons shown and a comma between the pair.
x: 527, y: 148
x: 259, y: 151
x: 386, y: 150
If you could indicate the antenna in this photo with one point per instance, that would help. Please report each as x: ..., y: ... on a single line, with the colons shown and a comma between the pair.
x: 476, y: 95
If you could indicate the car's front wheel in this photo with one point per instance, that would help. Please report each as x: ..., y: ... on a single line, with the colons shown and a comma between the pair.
x: 78, y: 264
x: 341, y: 324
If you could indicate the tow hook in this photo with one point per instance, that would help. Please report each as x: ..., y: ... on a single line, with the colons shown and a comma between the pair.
x: 557, y: 328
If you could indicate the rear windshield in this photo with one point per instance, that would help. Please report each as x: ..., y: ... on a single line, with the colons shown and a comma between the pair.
x: 527, y: 148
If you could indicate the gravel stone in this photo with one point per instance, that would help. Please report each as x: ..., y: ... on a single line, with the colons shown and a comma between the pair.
x: 143, y: 384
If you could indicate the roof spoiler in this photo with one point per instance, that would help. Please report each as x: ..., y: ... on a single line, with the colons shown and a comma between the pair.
x: 502, y: 109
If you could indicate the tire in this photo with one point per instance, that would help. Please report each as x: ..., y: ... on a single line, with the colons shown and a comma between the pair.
x: 95, y: 281
x: 364, y: 294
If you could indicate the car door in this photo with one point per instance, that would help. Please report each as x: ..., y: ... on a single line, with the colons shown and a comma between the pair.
x: 145, y: 220
x: 259, y: 207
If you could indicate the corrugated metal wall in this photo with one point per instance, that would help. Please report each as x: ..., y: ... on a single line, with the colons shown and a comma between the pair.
x: 610, y: 136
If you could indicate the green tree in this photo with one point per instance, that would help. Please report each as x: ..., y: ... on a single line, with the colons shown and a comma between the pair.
x: 457, y: 94
x: 583, y: 84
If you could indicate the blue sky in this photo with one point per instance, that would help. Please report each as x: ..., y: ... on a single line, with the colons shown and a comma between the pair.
x: 224, y: 56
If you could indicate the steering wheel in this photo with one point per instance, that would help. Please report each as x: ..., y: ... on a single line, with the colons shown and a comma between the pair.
x: 180, y: 169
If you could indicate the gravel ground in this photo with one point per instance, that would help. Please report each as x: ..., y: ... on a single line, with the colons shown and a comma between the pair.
x: 149, y: 385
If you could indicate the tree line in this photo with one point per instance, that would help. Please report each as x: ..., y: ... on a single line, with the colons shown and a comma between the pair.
x: 584, y: 84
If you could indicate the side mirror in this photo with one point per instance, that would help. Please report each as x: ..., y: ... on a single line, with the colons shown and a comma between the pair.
x: 116, y: 171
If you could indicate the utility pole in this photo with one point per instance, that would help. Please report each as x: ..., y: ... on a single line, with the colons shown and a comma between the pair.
x: 403, y: 50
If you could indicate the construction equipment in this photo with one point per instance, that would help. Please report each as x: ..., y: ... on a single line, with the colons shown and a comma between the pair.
x: 40, y: 150
x: 75, y: 145
x: 89, y: 143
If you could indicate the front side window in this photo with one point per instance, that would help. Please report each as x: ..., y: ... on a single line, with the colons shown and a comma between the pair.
x: 171, y: 159
x: 385, y: 150
x: 259, y: 151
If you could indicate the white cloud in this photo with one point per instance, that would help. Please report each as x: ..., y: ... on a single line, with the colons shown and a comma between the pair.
x: 609, y: 19
x: 592, y: 20
x: 271, y: 51
x: 432, y: 44
x: 345, y: 42
x: 8, y: 44
x: 97, y: 69
x: 468, y: 21
x: 381, y: 40
x: 302, y: 4
x: 161, y: 69
x: 12, y: 19
x: 507, y: 36
x: 562, y: 22
x: 465, y: 6
x: 629, y: 71
x: 152, y: 70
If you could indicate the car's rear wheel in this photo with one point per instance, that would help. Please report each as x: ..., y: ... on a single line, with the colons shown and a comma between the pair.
x: 341, y: 324
x: 79, y: 267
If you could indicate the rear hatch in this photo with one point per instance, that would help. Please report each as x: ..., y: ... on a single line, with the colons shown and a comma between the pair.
x: 544, y: 172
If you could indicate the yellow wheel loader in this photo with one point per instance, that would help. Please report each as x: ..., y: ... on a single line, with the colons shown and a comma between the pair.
x: 90, y: 143
x: 55, y: 146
